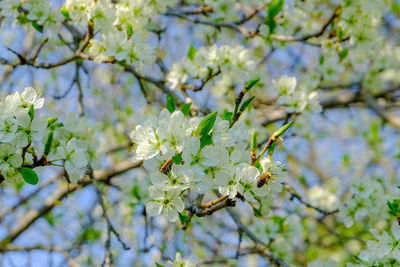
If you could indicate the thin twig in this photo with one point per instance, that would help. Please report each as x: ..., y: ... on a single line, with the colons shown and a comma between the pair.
x: 101, y: 202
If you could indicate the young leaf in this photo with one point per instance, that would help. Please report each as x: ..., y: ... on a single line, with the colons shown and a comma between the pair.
x: 29, y: 175
x: 186, y: 108
x: 51, y: 120
x: 274, y: 8
x: 37, y: 27
x: 171, y: 103
x: 205, y: 140
x: 191, y: 52
x: 49, y: 142
x: 227, y: 115
x: 253, y: 144
x: 251, y: 83
x: 31, y: 112
x: 246, y: 103
x: 65, y: 13
x: 271, y: 149
x: 283, y: 129
x: 177, y: 158
x: 206, y: 124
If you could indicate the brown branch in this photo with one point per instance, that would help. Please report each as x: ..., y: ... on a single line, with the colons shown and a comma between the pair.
x: 328, y: 100
x: 294, y: 195
x: 202, y: 212
x: 25, y: 199
x: 308, y: 36
x: 213, y: 202
x: 247, y: 33
x: 71, y: 261
x: 110, y: 226
x: 261, y: 246
x: 388, y: 117
x: 60, y: 193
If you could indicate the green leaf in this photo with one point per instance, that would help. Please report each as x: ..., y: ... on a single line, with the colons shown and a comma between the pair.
x: 29, y: 176
x: 251, y: 83
x: 275, y: 7
x: 49, y: 142
x: 283, y: 129
x: 206, y: 124
x: 186, y: 108
x: 271, y: 149
x: 253, y: 144
x: 183, y: 217
x: 227, y: 115
x: 37, y: 27
x: 159, y: 265
x: 65, y: 13
x: 171, y: 103
x: 177, y: 158
x: 52, y: 120
x: 31, y: 112
x: 191, y: 52
x: 246, y: 103
x: 205, y: 140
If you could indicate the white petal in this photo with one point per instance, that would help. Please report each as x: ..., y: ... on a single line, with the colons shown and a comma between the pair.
x: 153, y: 208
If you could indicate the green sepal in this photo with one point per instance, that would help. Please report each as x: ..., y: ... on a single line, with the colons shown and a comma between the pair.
x: 183, y: 217
x: 129, y: 29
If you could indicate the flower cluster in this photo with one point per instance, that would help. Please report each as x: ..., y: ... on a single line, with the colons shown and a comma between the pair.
x: 324, y: 197
x: 385, y: 251
x: 200, y: 154
x: 24, y: 135
x: 368, y: 200
x: 122, y: 27
x: 296, y: 100
x: 234, y: 63
x: 281, y: 233
x: 180, y: 262
x: 39, y: 13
